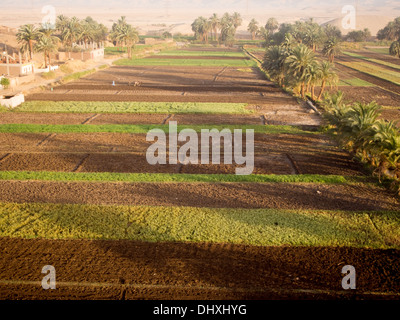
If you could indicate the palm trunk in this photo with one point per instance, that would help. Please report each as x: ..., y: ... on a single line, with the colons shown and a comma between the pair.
x: 313, y: 92
x: 303, y: 87
x: 31, y: 49
x: 322, y: 89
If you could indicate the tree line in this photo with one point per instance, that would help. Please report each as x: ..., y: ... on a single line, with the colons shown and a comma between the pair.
x: 221, y: 29
x: 391, y: 32
x: 291, y: 60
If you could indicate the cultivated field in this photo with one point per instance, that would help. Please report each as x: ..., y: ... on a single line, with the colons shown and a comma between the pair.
x: 76, y: 191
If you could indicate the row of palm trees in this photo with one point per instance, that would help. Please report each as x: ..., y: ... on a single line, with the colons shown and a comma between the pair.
x: 72, y: 32
x: 221, y: 29
x: 295, y: 66
x: 374, y: 142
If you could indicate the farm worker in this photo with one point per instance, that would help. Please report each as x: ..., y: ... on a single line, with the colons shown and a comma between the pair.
x: 113, y: 83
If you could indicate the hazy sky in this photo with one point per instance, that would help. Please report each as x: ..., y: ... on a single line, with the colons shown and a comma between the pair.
x: 184, y: 10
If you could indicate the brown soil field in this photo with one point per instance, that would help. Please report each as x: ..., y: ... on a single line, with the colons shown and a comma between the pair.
x: 117, y: 152
x: 170, y: 96
x: 178, y: 84
x: 391, y: 114
x: 369, y: 94
x: 269, y: 163
x: 212, y: 195
x: 125, y: 270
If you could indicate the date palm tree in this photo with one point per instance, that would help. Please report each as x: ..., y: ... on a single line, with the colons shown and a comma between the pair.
x: 275, y: 63
x: 127, y: 35
x: 253, y: 28
x: 236, y: 20
x: 70, y: 33
x: 332, y: 48
x: 215, y: 24
x: 271, y: 25
x: 47, y: 45
x: 27, y: 35
x: 327, y: 76
x: 300, y: 62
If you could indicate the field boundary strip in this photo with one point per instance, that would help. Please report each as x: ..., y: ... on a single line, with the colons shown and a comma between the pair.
x: 173, y: 178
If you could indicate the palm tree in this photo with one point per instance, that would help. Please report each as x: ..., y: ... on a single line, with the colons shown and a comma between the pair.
x: 86, y: 33
x: 215, y: 24
x: 201, y: 27
x: 47, y: 45
x: 327, y: 76
x: 300, y: 63
x: 126, y: 34
x: 332, y: 48
x: 275, y: 63
x: 228, y: 29
x: 253, y: 28
x: 26, y: 35
x: 100, y: 34
x: 395, y: 49
x: 236, y: 20
x: 312, y: 35
x: 271, y: 25
x: 314, y: 77
x: 70, y: 33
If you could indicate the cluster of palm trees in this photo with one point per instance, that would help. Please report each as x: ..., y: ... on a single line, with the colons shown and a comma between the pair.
x: 374, y: 142
x: 124, y: 35
x: 35, y: 39
x: 86, y: 32
x: 295, y: 66
x: 307, y: 32
x: 227, y: 26
x: 69, y: 32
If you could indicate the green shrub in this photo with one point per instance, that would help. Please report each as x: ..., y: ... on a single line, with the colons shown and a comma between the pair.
x: 5, y: 82
x: 49, y: 75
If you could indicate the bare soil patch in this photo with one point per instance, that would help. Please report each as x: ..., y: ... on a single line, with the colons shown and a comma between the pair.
x: 121, y: 152
x: 140, y: 270
x: 178, y: 84
x: 223, y: 195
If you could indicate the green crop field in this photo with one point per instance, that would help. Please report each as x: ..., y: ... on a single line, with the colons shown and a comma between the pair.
x: 143, y: 128
x: 373, y: 70
x: 132, y: 107
x: 180, y: 178
x: 268, y: 227
x: 384, y: 63
x: 355, y: 82
x: 202, y: 53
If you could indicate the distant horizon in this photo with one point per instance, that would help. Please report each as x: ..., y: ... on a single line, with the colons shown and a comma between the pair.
x: 177, y: 11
